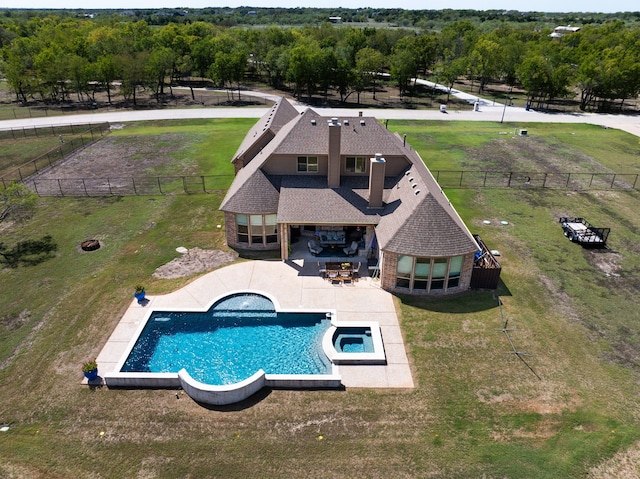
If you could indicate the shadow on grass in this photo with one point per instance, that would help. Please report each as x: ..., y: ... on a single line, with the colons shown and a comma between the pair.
x: 468, y: 302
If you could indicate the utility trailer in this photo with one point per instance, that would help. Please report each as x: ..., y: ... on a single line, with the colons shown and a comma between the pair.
x: 582, y: 232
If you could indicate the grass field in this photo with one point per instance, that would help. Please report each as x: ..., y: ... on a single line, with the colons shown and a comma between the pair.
x: 476, y: 412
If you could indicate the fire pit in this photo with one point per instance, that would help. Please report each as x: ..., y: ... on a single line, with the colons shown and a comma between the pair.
x: 90, y: 245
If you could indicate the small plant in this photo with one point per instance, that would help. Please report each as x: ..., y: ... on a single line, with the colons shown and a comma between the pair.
x: 139, y: 289
x: 89, y: 366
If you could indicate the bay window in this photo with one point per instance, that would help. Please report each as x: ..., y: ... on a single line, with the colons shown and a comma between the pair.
x: 257, y: 229
x: 428, y: 274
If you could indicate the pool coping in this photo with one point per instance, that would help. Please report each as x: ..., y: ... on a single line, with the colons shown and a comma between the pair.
x: 292, y: 290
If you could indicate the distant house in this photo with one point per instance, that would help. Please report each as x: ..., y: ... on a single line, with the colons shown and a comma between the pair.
x: 335, y: 19
x: 303, y: 176
x: 561, y: 31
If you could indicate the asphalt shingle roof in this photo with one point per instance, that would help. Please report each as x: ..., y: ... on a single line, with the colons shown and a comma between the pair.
x: 417, y: 218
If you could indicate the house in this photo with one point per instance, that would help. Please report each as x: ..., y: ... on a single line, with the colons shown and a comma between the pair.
x: 303, y: 175
x: 561, y: 31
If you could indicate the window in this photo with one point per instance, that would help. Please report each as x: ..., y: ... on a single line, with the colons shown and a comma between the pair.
x: 455, y: 267
x: 429, y: 274
x: 257, y: 229
x: 355, y: 164
x: 270, y: 229
x: 421, y: 274
x: 243, y: 228
x: 308, y: 164
x: 403, y: 275
x: 438, y: 273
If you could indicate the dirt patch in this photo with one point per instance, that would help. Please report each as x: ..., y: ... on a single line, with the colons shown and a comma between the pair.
x: 606, y: 261
x: 531, y: 154
x: 624, y: 465
x: 194, y: 261
x: 123, y: 157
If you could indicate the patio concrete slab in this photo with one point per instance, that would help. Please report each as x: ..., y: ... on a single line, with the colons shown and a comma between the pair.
x: 294, y: 285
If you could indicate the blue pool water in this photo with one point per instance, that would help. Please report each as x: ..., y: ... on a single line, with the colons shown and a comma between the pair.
x: 239, y: 335
x: 353, y: 340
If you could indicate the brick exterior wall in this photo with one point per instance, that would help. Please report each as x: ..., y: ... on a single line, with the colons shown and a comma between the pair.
x: 388, y: 277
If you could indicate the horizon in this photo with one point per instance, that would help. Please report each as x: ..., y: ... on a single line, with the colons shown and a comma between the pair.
x: 539, y: 6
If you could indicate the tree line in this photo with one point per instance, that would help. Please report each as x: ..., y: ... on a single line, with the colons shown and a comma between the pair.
x: 55, y: 59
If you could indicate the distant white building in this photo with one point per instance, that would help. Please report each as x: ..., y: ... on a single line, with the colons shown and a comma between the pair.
x: 561, y: 31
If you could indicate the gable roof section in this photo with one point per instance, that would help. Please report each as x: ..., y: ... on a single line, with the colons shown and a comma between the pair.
x: 356, y: 138
x: 418, y: 219
x: 252, y: 193
x: 266, y: 128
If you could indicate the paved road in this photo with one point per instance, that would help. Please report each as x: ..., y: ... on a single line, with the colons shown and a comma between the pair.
x: 488, y: 112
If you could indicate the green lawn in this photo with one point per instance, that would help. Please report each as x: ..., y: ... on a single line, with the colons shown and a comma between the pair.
x: 477, y: 411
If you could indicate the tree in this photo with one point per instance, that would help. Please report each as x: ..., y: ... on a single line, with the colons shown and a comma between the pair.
x: 404, y: 68
x: 486, y: 56
x: 20, y: 69
x: 160, y: 65
x: 368, y: 66
x: 228, y: 68
x: 17, y: 202
x: 133, y: 67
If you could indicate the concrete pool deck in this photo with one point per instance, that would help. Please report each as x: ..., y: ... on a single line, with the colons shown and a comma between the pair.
x: 294, y: 284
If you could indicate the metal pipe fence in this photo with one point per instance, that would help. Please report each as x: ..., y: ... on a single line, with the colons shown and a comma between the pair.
x: 513, y: 179
x: 129, y: 186
x: 173, y: 185
x: 88, y: 134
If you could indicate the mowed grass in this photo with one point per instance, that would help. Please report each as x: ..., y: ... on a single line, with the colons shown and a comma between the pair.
x: 477, y: 410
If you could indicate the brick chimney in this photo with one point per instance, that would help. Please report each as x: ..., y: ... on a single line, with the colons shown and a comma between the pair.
x: 376, y: 181
x: 333, y: 170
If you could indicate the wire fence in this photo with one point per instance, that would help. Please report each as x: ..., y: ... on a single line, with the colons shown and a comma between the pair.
x: 173, y: 185
x: 88, y: 134
x: 129, y: 186
x: 512, y: 179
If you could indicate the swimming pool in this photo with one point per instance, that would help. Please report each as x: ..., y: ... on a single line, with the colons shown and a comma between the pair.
x: 237, y: 336
x: 239, y: 344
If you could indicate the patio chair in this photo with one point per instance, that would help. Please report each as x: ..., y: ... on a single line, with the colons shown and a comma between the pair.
x: 344, y: 276
x: 314, y: 248
x: 356, y: 271
x: 322, y: 269
x: 351, y: 250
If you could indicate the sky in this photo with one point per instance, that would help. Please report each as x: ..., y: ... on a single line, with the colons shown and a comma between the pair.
x: 528, y: 6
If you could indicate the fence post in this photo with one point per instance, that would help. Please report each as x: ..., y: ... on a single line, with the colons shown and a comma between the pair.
x: 184, y: 184
x: 461, y: 175
x: 509, y: 182
x: 613, y: 180
x: 109, y: 185
x: 60, y: 187
x: 35, y: 187
x: 84, y: 185
x: 204, y: 188
x: 634, y: 182
x: 160, y: 187
x: 133, y: 180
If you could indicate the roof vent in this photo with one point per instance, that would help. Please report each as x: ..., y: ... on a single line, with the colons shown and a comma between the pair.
x: 414, y: 185
x: 313, y: 122
x: 417, y: 192
x: 346, y: 122
x: 361, y: 122
x: 407, y: 173
x: 411, y: 180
